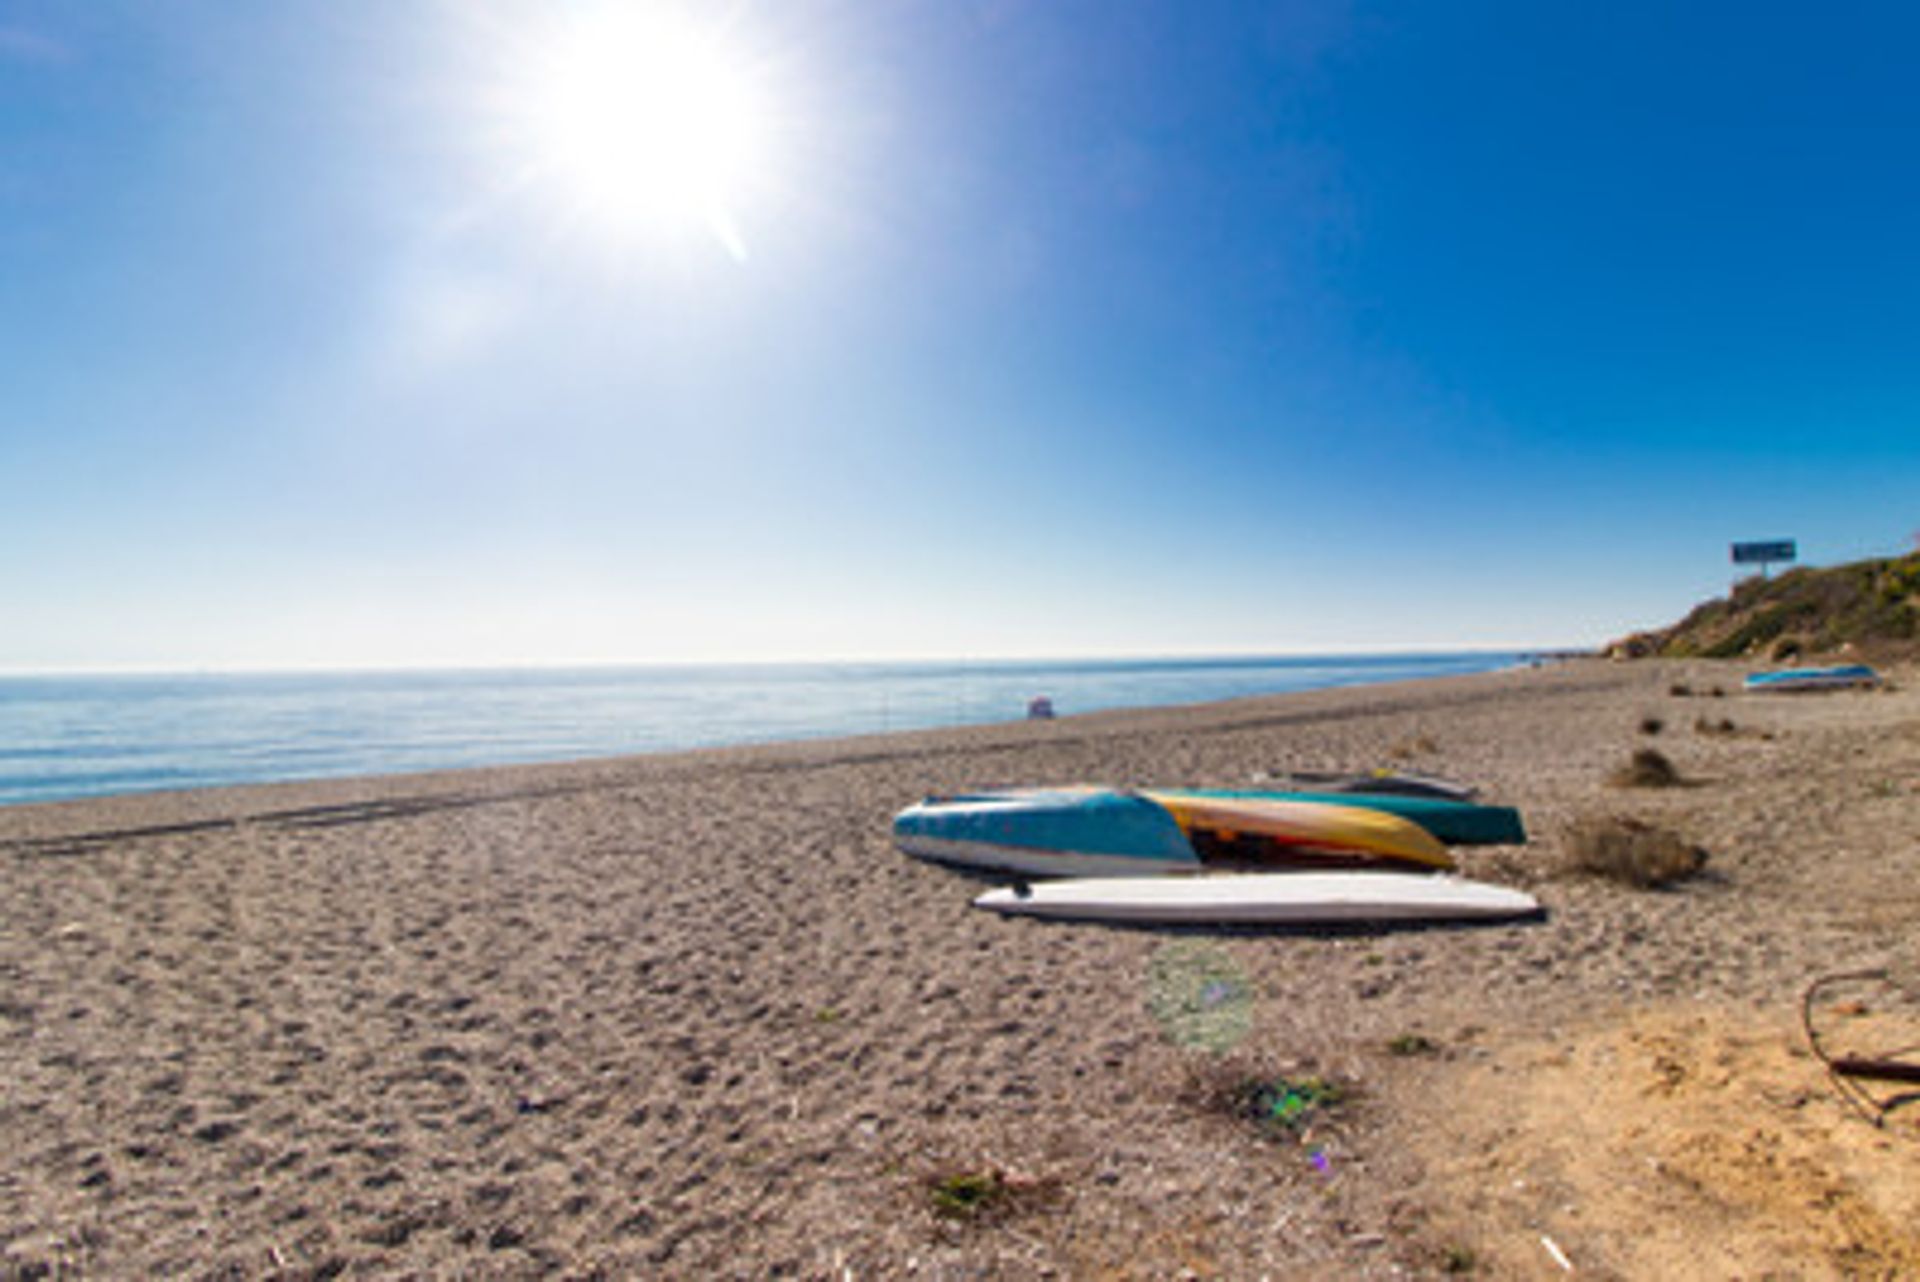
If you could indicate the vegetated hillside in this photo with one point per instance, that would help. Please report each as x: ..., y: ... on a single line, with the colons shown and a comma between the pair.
x: 1869, y: 608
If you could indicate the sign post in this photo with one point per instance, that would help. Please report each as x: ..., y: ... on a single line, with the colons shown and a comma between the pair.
x: 1765, y: 554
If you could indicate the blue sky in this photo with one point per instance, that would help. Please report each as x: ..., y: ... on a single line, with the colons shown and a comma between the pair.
x: 1030, y: 328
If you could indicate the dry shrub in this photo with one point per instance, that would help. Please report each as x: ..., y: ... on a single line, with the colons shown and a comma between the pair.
x: 1419, y: 745
x: 1648, y: 768
x: 1631, y: 852
x: 1707, y: 725
x: 1652, y: 725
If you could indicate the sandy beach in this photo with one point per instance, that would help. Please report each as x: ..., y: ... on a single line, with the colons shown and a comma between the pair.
x: 692, y: 1016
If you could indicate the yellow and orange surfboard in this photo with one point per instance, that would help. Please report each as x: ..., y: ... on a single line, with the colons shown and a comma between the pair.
x: 1306, y: 826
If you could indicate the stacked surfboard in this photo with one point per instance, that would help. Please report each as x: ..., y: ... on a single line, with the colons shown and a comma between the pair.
x: 1183, y: 855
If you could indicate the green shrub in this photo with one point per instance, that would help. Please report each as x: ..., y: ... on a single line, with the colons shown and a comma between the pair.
x: 966, y: 1195
x: 990, y: 1194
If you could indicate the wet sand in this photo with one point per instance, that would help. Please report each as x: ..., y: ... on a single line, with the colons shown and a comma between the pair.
x: 691, y: 1016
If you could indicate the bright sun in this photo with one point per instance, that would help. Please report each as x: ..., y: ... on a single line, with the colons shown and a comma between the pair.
x: 641, y: 122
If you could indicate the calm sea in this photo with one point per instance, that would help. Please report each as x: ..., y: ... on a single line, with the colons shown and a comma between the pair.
x: 84, y: 736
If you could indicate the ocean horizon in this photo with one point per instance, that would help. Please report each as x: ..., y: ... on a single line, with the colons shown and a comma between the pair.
x: 88, y: 735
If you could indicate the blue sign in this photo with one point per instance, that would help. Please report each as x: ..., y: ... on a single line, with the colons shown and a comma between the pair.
x: 1775, y: 550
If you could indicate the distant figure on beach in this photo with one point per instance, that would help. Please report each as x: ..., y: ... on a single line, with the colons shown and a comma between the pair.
x: 1040, y: 708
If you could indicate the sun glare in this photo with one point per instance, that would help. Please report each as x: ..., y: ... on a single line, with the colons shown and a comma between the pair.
x: 641, y: 122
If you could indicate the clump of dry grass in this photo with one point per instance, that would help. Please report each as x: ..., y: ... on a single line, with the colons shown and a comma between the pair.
x: 1647, y: 768
x: 1681, y: 690
x: 986, y: 1195
x: 1707, y: 725
x: 1631, y: 852
x: 1652, y: 725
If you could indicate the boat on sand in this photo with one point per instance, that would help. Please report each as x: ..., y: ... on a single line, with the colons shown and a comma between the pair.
x: 1106, y: 832
x: 1382, y: 783
x: 1845, y: 676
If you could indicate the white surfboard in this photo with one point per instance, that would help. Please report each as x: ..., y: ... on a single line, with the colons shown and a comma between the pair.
x: 1297, y: 898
